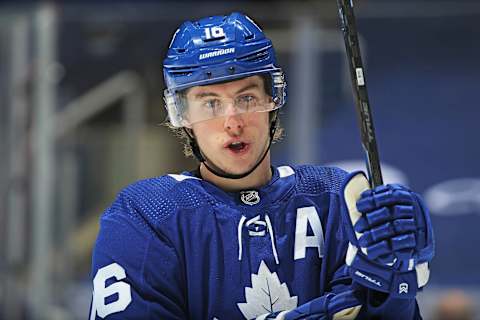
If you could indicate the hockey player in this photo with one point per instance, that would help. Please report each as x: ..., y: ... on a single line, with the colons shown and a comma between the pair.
x: 238, y: 238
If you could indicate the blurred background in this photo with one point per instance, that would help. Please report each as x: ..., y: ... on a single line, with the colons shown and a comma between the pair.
x: 81, y: 116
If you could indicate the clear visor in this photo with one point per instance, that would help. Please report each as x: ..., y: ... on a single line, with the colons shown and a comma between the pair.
x: 185, y: 109
x: 215, y: 107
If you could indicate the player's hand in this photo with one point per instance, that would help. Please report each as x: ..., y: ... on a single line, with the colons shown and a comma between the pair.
x: 390, y: 235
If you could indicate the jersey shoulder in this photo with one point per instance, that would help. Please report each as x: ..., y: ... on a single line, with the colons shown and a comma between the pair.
x: 313, y: 179
x: 153, y: 200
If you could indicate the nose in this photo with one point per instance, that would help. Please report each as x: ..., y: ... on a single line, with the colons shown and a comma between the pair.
x: 234, y: 124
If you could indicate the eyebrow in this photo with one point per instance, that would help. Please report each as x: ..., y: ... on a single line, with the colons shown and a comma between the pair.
x: 213, y: 94
x: 205, y: 94
x: 250, y: 86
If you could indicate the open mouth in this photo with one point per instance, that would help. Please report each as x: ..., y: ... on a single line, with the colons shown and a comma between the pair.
x: 237, y: 146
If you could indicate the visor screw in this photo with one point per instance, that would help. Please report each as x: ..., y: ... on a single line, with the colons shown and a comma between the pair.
x: 231, y: 69
x: 209, y: 74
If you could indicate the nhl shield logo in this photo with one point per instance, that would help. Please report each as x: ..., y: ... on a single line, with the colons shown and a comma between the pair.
x: 250, y: 197
x: 403, y: 288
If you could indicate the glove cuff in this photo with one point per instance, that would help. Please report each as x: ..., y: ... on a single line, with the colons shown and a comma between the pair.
x: 398, y: 284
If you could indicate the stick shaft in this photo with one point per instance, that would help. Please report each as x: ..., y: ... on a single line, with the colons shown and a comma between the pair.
x: 369, y: 141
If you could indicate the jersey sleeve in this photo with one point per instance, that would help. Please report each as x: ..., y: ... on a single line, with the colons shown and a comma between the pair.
x: 135, y: 270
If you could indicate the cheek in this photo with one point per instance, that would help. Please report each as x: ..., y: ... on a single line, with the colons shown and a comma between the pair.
x: 261, y: 122
x: 205, y: 132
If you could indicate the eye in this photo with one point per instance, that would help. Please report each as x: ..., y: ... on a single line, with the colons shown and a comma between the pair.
x: 247, y: 98
x: 213, y: 105
x: 247, y: 102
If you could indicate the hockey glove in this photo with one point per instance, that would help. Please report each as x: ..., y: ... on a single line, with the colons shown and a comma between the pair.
x: 391, y: 227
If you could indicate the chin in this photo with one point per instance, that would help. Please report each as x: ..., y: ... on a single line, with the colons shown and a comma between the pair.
x: 237, y: 170
x: 238, y: 167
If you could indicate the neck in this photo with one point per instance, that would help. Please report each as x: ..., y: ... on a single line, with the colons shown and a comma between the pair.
x: 258, y: 178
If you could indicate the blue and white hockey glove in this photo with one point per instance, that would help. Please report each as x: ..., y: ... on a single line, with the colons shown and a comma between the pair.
x: 390, y: 235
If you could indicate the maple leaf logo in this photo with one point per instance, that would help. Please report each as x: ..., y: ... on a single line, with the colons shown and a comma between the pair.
x: 266, y: 295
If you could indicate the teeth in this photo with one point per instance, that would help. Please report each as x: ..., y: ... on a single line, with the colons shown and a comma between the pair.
x: 236, y: 144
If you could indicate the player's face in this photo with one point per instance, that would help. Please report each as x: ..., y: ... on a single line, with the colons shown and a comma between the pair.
x: 235, y: 141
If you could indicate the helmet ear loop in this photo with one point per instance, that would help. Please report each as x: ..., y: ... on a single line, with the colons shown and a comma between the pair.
x: 193, y: 144
x: 201, y: 158
x: 273, y: 125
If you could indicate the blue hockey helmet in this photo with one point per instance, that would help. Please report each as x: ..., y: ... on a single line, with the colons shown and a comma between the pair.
x: 217, y: 49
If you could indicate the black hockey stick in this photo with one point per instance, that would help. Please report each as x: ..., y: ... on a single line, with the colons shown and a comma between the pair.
x: 369, y: 142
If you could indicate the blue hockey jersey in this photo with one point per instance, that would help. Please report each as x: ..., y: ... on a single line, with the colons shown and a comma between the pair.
x: 178, y: 247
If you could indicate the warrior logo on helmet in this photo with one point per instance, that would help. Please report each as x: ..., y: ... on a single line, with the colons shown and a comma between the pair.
x: 216, y: 53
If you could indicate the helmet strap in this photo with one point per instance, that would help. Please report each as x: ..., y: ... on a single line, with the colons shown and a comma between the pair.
x: 215, y: 169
